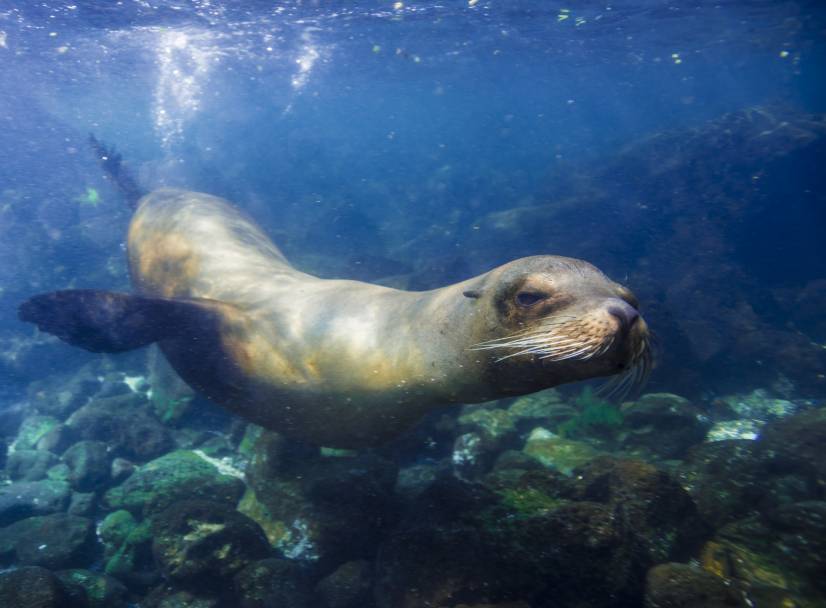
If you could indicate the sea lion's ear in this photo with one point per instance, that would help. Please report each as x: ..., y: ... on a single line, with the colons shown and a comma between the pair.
x: 111, y: 322
x: 473, y: 294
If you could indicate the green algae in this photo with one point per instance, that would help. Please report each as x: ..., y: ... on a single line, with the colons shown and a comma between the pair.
x: 174, y: 476
x: 529, y: 501
x: 559, y: 453
x: 595, y: 416
x: 32, y: 430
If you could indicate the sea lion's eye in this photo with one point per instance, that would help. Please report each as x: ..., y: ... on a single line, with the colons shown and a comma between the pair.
x: 527, y: 299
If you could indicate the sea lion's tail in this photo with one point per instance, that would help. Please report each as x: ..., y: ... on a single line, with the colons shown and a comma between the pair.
x: 112, y: 163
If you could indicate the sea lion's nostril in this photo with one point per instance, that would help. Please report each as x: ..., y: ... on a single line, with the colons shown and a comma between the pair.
x: 625, y: 313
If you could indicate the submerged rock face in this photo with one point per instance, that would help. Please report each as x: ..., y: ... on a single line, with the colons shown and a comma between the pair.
x: 27, y: 498
x: 51, y: 541
x: 124, y: 421
x: 32, y: 586
x: 664, y: 424
x: 179, y: 475
x: 200, y: 544
x: 349, y: 586
x: 94, y: 590
x: 682, y: 586
x: 29, y: 465
x: 798, y: 441
x: 537, y: 537
x: 323, y: 509
x: 89, y: 465
x: 778, y: 556
x: 273, y: 582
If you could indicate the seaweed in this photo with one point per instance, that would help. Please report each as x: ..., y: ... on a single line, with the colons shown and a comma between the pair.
x: 595, y: 417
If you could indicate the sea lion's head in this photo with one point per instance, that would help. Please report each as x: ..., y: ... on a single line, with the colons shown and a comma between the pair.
x: 558, y: 320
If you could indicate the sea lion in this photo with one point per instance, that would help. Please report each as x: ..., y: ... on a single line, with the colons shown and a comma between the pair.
x: 335, y: 362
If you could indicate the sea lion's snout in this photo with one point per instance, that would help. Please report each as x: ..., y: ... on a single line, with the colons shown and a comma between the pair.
x: 626, y: 314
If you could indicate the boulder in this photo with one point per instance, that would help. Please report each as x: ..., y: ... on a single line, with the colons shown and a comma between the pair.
x: 51, y: 541
x: 32, y: 430
x: 556, y: 452
x: 99, y: 590
x: 167, y: 596
x: 327, y: 509
x: 797, y: 442
x: 273, y: 582
x: 198, y: 543
x: 29, y: 465
x: 734, y: 478
x: 780, y: 554
x: 127, y: 546
x: 683, y: 586
x: 348, y: 586
x: 89, y: 465
x: 176, y: 476
x: 32, y: 587
x: 664, y: 424
x: 125, y: 422
x: 27, y: 498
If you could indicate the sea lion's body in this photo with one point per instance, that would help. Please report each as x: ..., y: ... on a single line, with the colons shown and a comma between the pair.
x: 319, y: 359
x: 345, y: 363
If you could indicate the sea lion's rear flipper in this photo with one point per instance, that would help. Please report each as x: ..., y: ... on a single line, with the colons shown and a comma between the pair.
x: 111, y: 322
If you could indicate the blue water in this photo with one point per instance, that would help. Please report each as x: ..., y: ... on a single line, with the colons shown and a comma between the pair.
x: 679, y: 146
x: 392, y: 131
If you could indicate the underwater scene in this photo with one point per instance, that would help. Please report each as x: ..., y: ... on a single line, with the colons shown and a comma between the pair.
x: 412, y: 304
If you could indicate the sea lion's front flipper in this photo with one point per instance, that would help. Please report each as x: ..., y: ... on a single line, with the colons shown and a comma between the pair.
x: 111, y: 322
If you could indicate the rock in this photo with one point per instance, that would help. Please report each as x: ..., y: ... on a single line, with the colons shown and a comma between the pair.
x: 273, y: 582
x: 683, y: 586
x: 168, y: 597
x: 27, y: 498
x: 558, y: 453
x: 543, y: 408
x: 89, y: 465
x: 797, y: 441
x: 32, y: 430
x: 127, y: 545
x: 445, y: 563
x: 495, y: 425
x: 32, y: 587
x: 759, y: 406
x: 654, y: 509
x: 176, y: 476
x: 121, y: 469
x: 413, y: 480
x: 99, y: 590
x: 326, y: 509
x: 349, y: 586
x: 57, y: 439
x: 198, y: 543
x: 784, y: 550
x: 59, y: 472
x: 60, y: 395
x: 537, y: 537
x: 29, y: 465
x: 731, y: 479
x: 733, y: 429
x: 472, y: 455
x: 664, y: 424
x: 82, y: 503
x: 51, y: 541
x: 124, y: 422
